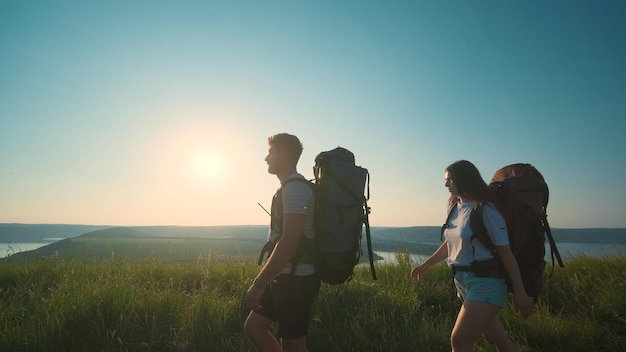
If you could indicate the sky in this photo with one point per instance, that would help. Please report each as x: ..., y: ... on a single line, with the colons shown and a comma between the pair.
x: 136, y: 113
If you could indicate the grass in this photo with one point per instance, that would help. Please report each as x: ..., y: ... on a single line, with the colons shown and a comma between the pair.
x: 72, y: 304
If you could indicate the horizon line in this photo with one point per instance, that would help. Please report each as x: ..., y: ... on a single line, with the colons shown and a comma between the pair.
x: 267, y: 225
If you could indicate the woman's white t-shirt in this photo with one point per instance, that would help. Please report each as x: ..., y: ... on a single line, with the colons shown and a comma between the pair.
x: 462, y: 250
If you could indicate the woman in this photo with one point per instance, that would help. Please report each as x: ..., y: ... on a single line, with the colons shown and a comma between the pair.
x: 482, y: 297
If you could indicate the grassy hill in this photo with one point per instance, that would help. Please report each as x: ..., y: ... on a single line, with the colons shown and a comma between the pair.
x: 69, y: 304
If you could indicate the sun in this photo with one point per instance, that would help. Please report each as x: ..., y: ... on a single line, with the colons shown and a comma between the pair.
x: 207, y: 164
x: 205, y: 171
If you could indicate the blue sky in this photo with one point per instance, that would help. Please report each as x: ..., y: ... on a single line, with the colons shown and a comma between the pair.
x: 157, y: 112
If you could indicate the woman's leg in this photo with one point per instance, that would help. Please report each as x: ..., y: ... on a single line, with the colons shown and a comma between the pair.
x: 473, y: 319
x: 497, y: 335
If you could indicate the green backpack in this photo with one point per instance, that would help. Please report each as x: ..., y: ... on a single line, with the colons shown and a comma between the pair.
x: 341, y: 191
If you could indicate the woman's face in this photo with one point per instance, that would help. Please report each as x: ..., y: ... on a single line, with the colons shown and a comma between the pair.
x: 450, y: 184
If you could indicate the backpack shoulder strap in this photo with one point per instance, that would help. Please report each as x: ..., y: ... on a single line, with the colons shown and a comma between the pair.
x: 276, y: 215
x: 306, y: 248
x: 477, y: 223
x: 451, y: 206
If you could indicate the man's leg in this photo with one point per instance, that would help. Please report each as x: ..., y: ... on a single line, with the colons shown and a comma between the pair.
x: 298, y: 295
x: 257, y: 328
x: 294, y: 345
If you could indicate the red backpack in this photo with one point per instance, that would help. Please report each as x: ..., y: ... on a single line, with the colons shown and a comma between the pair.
x: 521, y: 195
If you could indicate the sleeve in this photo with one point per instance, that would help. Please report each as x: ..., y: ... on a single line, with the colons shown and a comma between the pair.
x: 296, y: 197
x: 495, y: 224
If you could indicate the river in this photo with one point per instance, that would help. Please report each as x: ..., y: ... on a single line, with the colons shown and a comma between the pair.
x: 566, y: 249
x: 7, y: 249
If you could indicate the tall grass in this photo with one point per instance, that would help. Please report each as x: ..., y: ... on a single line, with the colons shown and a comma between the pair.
x: 75, y: 304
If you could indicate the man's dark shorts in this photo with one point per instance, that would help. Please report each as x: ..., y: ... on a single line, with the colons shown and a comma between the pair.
x: 289, y: 299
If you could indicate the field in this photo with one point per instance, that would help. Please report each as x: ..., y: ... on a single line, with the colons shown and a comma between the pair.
x: 112, y: 304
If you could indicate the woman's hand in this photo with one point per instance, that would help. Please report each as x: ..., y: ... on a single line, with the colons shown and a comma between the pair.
x: 523, y: 304
x: 417, y: 274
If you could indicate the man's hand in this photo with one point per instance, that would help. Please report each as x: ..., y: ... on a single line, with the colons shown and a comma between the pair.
x: 253, y: 297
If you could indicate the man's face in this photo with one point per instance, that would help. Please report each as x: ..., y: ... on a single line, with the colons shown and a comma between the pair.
x: 275, y: 159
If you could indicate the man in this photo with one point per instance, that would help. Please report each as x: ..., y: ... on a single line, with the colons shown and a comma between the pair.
x: 283, y: 292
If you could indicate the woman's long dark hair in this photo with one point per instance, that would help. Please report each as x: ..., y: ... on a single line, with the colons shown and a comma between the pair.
x: 468, y: 181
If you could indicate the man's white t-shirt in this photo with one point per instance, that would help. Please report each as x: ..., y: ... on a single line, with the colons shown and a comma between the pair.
x: 298, y: 199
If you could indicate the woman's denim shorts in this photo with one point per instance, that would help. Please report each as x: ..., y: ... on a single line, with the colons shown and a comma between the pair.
x: 481, y: 289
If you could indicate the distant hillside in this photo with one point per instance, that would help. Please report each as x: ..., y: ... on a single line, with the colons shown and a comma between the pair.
x: 431, y: 234
x: 185, y: 243
x: 590, y: 235
x: 414, y: 234
x: 13, y: 233
x: 251, y: 232
x: 125, y: 243
x: 158, y: 243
